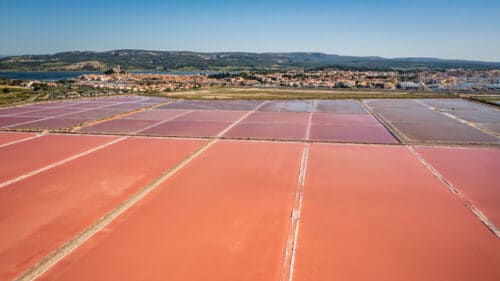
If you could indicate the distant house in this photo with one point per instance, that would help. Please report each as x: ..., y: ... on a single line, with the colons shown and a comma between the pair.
x: 410, y: 86
x: 346, y: 84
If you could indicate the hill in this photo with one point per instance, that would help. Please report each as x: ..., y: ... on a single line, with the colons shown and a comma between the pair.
x: 177, y: 60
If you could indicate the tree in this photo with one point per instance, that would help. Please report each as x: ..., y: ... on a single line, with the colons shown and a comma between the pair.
x: 5, y: 90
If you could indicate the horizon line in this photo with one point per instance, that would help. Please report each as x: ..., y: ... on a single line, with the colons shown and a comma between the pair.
x: 251, y: 52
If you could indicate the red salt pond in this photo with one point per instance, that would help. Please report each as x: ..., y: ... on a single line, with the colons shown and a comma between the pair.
x: 225, y: 216
x: 54, y: 104
x: 376, y: 213
x: 416, y: 122
x: 34, y: 154
x: 128, y: 106
x: 268, y: 131
x: 155, y: 100
x: 286, y: 106
x: 60, y: 115
x: 52, y: 123
x: 272, y: 125
x: 211, y: 116
x: 120, y: 126
x: 487, y: 117
x: 7, y: 137
x: 277, y: 117
x: 50, y: 112
x: 135, y: 122
x: 214, y: 105
x: 473, y: 171
x: 363, y: 134
x: 19, y: 110
x: 6, y: 121
x: 94, y: 114
x: 338, y: 106
x: 187, y: 129
x: 360, y: 128
x: 156, y: 114
x: 197, y: 123
x: 89, y: 105
x: 130, y: 98
x: 41, y: 212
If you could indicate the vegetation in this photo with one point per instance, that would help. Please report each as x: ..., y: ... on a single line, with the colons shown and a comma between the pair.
x: 488, y: 99
x: 234, y: 61
x: 285, y: 94
x: 15, y: 95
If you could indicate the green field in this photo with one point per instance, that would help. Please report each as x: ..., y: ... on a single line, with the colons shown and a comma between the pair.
x: 284, y: 94
x: 15, y: 96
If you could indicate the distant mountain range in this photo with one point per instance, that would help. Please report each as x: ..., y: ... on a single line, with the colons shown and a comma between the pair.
x: 179, y: 60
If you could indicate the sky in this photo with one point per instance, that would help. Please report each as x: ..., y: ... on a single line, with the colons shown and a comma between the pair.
x: 453, y: 29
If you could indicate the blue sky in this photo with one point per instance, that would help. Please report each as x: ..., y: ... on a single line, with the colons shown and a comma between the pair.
x: 441, y: 28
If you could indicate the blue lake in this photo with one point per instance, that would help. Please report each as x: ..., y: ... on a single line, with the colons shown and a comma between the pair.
x: 44, y: 75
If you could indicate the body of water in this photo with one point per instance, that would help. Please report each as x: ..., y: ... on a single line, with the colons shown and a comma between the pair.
x: 44, y: 75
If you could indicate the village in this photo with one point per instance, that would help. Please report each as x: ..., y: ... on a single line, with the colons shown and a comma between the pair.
x: 454, y: 79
